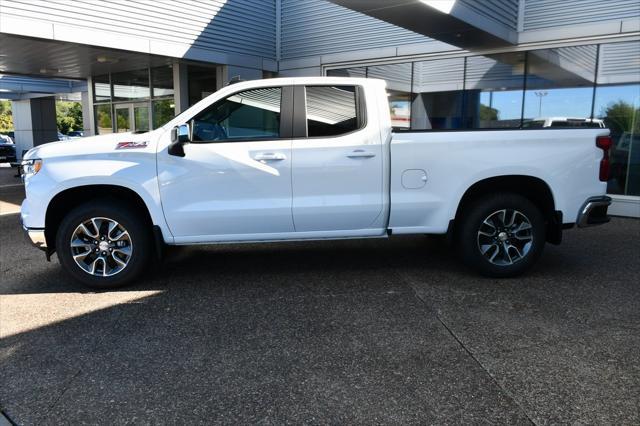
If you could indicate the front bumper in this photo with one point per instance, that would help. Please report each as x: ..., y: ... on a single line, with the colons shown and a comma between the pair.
x: 594, y: 212
x: 36, y: 237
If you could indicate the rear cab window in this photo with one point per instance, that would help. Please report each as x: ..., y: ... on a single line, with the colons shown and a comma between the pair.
x: 333, y: 110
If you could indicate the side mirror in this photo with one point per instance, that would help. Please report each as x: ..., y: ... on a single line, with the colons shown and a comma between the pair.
x: 180, y: 135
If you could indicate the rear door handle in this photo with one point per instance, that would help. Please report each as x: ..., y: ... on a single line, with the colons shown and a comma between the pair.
x: 361, y: 153
x: 270, y: 156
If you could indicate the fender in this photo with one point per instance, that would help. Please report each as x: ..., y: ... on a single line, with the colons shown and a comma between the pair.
x: 496, y: 173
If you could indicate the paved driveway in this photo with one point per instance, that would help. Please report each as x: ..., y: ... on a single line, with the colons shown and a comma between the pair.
x: 364, y: 332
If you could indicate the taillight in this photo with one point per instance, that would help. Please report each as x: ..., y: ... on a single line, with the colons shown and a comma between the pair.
x: 604, y: 143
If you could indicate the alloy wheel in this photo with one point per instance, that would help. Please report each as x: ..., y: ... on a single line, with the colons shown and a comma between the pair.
x: 505, y: 237
x: 101, y: 246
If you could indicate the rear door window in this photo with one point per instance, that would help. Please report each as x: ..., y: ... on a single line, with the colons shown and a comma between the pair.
x: 333, y: 110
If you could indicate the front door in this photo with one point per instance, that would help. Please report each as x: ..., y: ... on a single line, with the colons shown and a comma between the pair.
x: 337, y: 164
x: 234, y: 182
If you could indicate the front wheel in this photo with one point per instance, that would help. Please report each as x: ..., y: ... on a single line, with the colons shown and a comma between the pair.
x: 501, y: 235
x: 103, y: 244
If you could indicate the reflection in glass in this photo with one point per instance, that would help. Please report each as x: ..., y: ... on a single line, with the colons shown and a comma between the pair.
x: 359, y: 72
x: 398, y: 78
x: 619, y: 107
x: 163, y: 111
x: 331, y: 110
x: 246, y: 115
x: 104, y: 123
x: 141, y: 118
x: 617, y: 102
x: 202, y: 82
x: 560, y: 83
x: 162, y: 81
x: 123, y: 119
x: 493, y: 86
x: 101, y: 88
x: 438, y: 96
x: 131, y: 85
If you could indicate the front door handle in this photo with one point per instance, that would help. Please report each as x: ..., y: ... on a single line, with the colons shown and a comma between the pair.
x: 361, y: 153
x: 270, y: 156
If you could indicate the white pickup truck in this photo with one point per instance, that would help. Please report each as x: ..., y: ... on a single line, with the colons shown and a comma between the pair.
x: 308, y: 159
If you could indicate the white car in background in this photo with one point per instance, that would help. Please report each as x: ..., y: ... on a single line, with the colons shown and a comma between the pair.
x: 308, y: 159
x: 564, y: 122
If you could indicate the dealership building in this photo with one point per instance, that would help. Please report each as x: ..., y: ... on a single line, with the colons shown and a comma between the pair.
x: 449, y: 64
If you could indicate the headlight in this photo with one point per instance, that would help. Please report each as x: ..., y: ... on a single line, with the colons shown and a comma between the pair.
x: 29, y: 168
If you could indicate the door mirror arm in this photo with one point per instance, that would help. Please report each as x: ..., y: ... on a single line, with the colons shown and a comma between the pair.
x: 180, y: 135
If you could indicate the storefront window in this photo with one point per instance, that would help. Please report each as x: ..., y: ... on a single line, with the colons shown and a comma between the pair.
x: 560, y: 84
x: 617, y: 103
x: 104, y: 122
x: 493, y: 90
x: 398, y: 77
x: 438, y: 94
x: 137, y: 105
x: 360, y: 72
x: 131, y: 85
x: 163, y: 111
x: 162, y: 81
x: 202, y: 83
x: 101, y: 88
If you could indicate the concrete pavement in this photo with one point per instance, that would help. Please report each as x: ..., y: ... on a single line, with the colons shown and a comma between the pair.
x: 363, y: 332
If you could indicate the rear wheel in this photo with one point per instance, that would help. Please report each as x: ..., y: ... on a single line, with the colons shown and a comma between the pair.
x: 501, y: 235
x: 104, y: 244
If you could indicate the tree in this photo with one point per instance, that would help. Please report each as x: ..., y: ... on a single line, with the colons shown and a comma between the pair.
x: 68, y: 116
x: 621, y: 117
x: 6, y: 117
x: 488, y: 113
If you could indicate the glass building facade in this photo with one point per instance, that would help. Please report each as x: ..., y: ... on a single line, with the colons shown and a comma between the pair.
x: 595, y: 85
x: 133, y: 101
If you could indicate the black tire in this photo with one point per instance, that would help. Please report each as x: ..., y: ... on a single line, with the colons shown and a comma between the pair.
x: 502, y: 244
x: 139, y: 237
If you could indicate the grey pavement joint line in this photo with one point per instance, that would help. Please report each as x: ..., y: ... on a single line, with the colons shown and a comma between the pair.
x: 462, y: 345
x: 66, y: 387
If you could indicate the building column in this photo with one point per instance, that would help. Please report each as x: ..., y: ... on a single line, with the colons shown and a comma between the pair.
x: 87, y: 116
x: 34, y: 121
x: 180, y: 87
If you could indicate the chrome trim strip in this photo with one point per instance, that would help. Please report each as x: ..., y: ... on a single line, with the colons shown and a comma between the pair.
x: 36, y: 237
x: 589, y: 205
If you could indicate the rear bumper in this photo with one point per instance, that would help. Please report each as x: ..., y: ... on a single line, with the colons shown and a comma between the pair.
x: 594, y: 212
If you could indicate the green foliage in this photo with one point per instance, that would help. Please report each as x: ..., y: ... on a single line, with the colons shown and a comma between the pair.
x: 6, y: 118
x: 488, y: 113
x: 163, y: 111
x: 68, y: 116
x: 622, y: 117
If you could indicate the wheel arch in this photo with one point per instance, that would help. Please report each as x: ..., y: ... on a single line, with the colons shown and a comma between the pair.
x: 70, y: 198
x: 533, y: 188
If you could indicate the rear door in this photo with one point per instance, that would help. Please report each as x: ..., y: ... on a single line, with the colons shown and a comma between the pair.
x: 337, y: 162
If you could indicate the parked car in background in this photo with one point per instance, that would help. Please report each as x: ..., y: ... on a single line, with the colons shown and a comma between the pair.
x: 76, y: 134
x: 311, y: 158
x: 7, y: 149
x: 62, y: 137
x: 564, y: 122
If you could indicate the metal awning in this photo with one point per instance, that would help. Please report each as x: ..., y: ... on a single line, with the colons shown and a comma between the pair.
x: 449, y: 21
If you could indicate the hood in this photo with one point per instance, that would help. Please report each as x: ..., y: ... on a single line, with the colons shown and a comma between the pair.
x: 102, y: 144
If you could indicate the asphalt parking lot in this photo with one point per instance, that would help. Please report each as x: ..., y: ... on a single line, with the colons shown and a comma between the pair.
x: 361, y: 332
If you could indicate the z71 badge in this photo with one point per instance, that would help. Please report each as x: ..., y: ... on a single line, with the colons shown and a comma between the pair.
x: 132, y: 145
